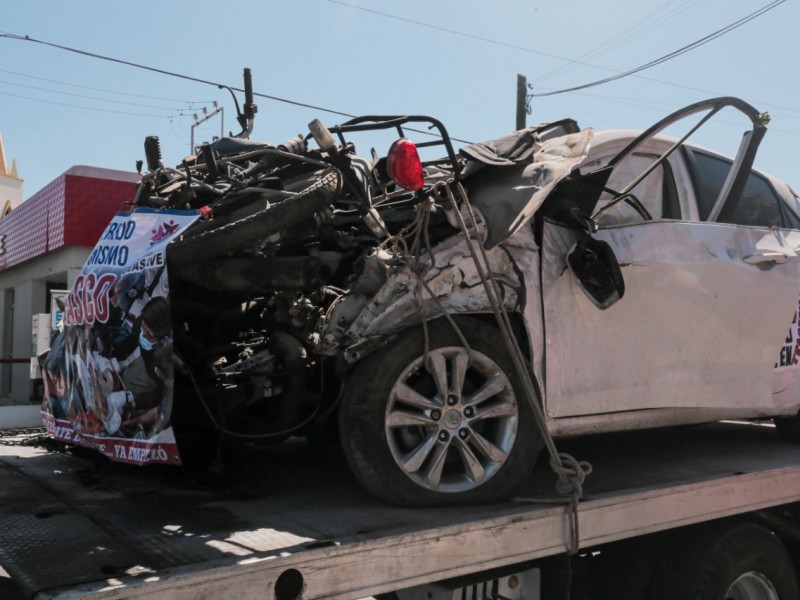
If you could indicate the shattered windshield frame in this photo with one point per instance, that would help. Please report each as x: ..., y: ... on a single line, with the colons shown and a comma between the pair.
x: 731, y: 190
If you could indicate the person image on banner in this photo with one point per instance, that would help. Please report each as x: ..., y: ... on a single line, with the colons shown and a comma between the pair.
x: 147, y: 368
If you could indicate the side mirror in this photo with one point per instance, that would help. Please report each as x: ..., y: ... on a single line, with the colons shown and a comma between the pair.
x: 596, y: 268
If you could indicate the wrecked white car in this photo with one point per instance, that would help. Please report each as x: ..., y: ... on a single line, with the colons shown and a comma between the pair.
x: 446, y: 314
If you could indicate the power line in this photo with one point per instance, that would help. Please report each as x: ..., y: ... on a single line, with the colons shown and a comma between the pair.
x: 118, y: 112
x: 453, y: 31
x: 674, y: 54
x: 641, y: 104
x: 348, y: 115
x: 530, y: 51
x: 478, y: 38
x: 97, y: 89
x: 639, y: 27
x: 41, y: 89
x: 712, y: 93
x: 26, y: 38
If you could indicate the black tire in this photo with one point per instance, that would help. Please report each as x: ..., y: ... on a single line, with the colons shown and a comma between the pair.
x: 445, y: 428
x: 788, y: 428
x: 255, y: 228
x: 625, y: 570
x: 726, y: 561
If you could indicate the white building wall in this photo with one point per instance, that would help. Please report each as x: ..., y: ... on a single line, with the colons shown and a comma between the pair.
x: 29, y: 282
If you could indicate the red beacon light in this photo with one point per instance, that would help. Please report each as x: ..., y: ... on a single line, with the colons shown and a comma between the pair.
x: 404, y: 166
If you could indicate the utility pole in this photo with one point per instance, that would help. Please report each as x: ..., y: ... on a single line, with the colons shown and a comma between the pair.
x: 218, y: 110
x: 522, y: 101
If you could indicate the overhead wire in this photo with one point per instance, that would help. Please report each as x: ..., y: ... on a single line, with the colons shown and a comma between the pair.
x: 107, y: 91
x: 26, y: 38
x: 42, y: 89
x: 642, y: 104
x: 13, y: 36
x: 531, y: 51
x: 106, y: 110
x: 619, y: 75
x: 674, y: 54
x: 451, y: 31
x: 713, y: 93
x: 646, y: 28
x: 634, y: 30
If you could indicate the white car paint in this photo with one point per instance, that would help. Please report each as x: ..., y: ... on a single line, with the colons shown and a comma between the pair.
x: 689, y: 332
x: 698, y: 335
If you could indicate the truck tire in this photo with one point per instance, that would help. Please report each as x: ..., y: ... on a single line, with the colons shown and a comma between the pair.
x: 625, y: 569
x: 727, y: 562
x: 416, y: 438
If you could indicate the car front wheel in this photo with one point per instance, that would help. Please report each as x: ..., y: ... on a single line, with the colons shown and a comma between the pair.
x: 449, y: 427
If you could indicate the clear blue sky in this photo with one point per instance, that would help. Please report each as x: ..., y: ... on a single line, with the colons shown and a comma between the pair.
x: 457, y: 60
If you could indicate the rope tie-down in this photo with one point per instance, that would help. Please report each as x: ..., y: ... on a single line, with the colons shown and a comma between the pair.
x: 569, y: 471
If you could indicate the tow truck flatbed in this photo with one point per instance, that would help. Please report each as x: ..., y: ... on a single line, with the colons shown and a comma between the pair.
x: 73, y: 526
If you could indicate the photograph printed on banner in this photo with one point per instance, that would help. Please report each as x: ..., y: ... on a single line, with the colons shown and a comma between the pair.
x: 109, y: 372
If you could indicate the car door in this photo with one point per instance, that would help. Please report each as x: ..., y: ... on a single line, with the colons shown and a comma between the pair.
x: 703, y: 318
x: 761, y: 205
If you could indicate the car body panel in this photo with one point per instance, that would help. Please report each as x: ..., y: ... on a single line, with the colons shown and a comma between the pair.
x: 677, y: 348
x: 453, y: 285
x: 685, y: 334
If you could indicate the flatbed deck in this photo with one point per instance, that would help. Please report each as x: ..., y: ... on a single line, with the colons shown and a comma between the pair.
x: 75, y: 526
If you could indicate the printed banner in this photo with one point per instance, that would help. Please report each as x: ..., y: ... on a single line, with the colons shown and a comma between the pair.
x: 108, y: 375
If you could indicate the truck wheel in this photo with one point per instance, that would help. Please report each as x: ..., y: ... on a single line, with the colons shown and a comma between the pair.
x: 459, y: 430
x: 625, y: 570
x: 727, y: 562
